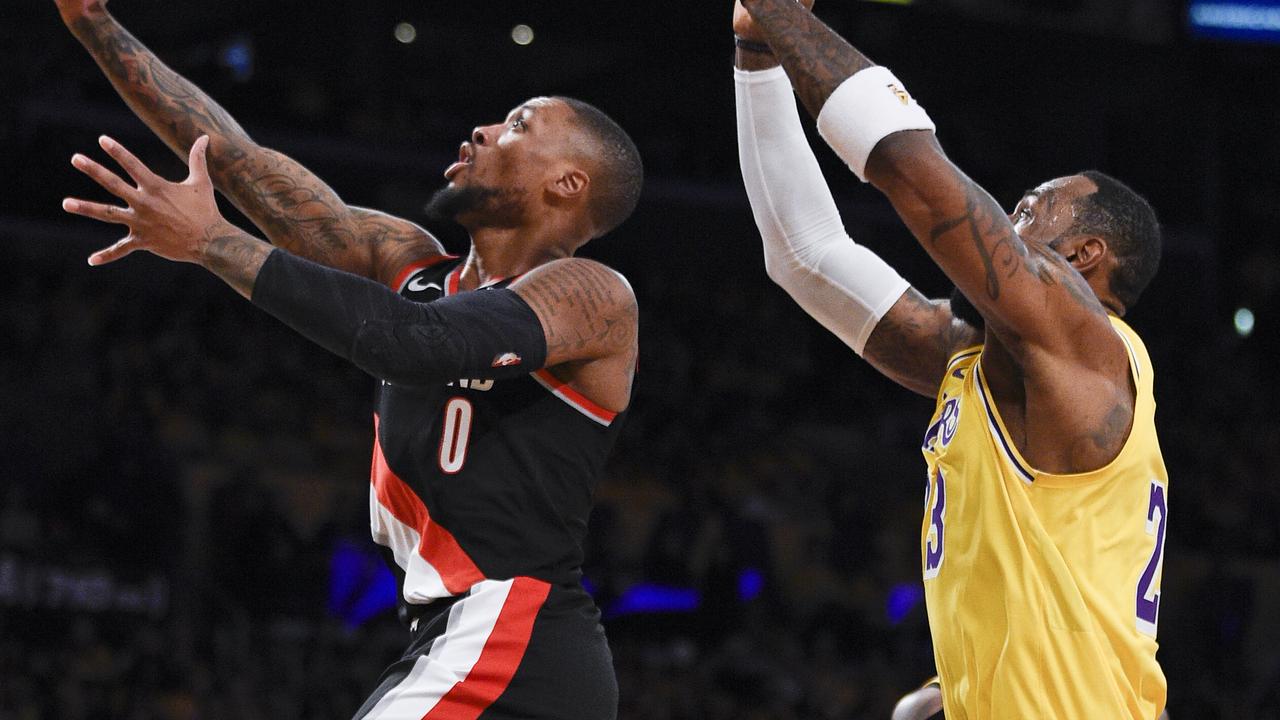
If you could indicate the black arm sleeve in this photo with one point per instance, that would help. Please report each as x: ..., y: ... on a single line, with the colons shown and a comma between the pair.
x: 487, y: 334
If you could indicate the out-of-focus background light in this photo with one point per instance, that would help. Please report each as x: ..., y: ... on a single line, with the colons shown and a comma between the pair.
x: 406, y: 33
x: 1244, y: 322
x: 522, y: 34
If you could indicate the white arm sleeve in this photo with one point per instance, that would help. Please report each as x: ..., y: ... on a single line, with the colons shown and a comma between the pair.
x: 844, y: 286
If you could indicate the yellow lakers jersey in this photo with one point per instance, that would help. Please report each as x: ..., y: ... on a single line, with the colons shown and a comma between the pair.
x: 1043, y: 590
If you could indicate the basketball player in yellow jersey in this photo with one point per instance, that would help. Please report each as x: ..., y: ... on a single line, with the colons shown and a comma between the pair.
x: 1043, y: 532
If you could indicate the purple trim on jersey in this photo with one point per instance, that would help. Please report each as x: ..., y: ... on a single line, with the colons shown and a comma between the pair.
x: 1133, y: 355
x: 961, y: 356
x: 995, y: 428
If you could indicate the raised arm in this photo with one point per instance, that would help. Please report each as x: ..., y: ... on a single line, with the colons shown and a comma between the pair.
x: 574, y: 314
x: 1029, y: 295
x: 843, y: 285
x: 294, y: 208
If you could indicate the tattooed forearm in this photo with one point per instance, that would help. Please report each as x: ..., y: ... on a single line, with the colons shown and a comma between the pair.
x: 816, y: 59
x: 753, y: 61
x: 587, y: 310
x: 913, y: 341
x: 984, y: 224
x: 1003, y: 254
x: 235, y: 256
x: 293, y: 207
x: 169, y: 104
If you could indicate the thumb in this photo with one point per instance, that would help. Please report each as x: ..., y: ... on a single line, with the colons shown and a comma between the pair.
x: 198, y: 160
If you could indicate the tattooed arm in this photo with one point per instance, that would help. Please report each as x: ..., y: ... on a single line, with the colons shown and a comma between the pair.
x: 1058, y: 371
x: 958, y: 223
x: 590, y: 319
x: 495, y: 332
x: 844, y: 286
x: 913, y: 342
x: 295, y: 209
x: 816, y: 59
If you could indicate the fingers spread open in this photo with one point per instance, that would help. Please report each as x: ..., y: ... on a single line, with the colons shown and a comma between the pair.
x: 114, y: 252
x: 98, y: 211
x: 111, y: 182
x: 140, y: 173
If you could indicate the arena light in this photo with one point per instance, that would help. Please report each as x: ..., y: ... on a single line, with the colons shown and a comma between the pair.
x: 406, y: 33
x: 237, y: 57
x: 522, y: 34
x: 1244, y: 321
x: 647, y: 598
x: 1256, y: 21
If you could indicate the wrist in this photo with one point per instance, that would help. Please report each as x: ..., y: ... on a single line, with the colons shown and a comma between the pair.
x: 212, y: 241
x: 751, y: 44
x: 86, y: 24
x: 750, y: 54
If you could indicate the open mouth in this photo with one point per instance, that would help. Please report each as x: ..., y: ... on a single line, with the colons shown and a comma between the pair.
x: 466, y: 156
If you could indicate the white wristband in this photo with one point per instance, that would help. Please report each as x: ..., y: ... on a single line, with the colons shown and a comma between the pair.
x: 865, y: 109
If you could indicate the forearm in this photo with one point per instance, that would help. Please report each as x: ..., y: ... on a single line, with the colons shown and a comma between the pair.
x: 484, y: 334
x: 816, y: 59
x: 235, y: 256
x: 173, y: 107
x: 294, y: 208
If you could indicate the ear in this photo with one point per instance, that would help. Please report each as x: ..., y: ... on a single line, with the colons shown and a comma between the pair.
x: 572, y: 182
x: 1086, y: 252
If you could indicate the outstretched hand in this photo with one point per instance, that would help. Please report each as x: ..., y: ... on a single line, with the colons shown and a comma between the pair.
x: 174, y: 220
x: 72, y: 10
x: 745, y: 28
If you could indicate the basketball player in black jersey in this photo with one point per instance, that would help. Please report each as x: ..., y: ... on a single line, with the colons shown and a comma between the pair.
x: 504, y: 374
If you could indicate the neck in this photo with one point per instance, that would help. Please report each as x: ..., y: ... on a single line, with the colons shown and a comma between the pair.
x: 499, y: 253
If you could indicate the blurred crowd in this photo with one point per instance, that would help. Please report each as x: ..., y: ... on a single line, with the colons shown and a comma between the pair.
x: 179, y: 471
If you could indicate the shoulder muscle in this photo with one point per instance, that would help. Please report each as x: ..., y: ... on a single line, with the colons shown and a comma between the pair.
x: 588, y: 310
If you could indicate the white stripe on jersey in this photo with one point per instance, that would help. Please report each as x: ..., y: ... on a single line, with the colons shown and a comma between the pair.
x: 452, y: 655
x: 422, y: 583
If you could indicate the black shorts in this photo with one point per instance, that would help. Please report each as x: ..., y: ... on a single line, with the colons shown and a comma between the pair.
x: 506, y: 649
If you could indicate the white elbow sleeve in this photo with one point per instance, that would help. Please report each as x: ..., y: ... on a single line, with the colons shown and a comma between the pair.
x: 844, y: 286
x: 866, y: 108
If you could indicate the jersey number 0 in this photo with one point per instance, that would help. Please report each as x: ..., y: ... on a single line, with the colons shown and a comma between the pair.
x: 455, y: 432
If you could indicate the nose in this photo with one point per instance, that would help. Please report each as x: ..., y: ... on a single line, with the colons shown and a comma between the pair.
x: 478, y: 136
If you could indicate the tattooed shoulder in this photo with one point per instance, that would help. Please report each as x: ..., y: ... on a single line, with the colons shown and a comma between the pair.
x: 588, y: 310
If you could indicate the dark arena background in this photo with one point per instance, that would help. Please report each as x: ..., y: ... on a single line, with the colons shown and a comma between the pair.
x: 184, y: 482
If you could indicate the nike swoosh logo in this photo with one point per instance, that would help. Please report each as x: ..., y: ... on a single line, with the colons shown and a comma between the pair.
x: 417, y: 285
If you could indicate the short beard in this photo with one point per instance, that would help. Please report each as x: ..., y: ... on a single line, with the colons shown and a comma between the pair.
x: 965, y: 311
x: 451, y: 201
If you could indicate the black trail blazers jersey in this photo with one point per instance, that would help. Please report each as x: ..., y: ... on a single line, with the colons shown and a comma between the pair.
x: 479, y: 479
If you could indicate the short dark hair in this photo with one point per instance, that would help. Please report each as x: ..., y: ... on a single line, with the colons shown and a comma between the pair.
x: 619, y: 171
x: 1128, y: 223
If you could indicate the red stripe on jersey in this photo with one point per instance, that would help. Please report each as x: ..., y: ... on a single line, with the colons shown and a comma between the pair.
x: 451, y: 281
x: 415, y: 266
x: 575, y: 398
x: 501, y: 655
x: 436, y: 545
